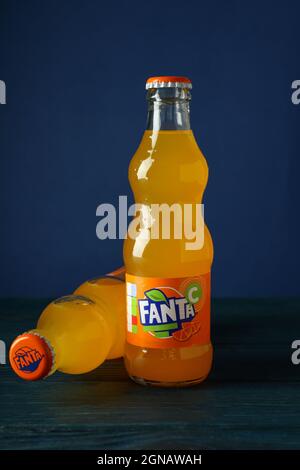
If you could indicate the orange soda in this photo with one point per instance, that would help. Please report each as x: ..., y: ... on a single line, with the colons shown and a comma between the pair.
x: 75, y: 333
x: 168, y: 283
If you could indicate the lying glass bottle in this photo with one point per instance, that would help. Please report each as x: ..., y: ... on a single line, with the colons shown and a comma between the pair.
x: 76, y: 333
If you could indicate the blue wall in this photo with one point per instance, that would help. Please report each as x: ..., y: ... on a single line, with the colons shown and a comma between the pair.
x: 75, y: 73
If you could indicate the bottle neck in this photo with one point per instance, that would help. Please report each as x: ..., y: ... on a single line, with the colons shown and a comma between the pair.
x: 168, y: 109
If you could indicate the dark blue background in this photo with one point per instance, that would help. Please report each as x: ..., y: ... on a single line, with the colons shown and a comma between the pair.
x: 75, y: 73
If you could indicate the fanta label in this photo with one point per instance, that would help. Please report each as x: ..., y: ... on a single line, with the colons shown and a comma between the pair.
x: 168, y: 312
x: 27, y: 359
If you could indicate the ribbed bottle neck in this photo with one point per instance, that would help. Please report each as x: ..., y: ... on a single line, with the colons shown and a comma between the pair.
x: 168, y: 109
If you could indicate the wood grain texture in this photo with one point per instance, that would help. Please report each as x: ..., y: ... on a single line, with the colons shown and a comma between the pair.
x: 250, y: 401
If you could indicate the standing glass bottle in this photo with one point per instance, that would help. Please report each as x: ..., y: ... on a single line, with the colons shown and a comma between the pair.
x: 168, y: 267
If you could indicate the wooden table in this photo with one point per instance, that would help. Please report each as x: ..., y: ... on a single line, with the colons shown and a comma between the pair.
x: 250, y: 401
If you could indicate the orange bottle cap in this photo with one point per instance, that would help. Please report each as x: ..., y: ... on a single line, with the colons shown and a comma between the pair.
x: 168, y: 81
x: 31, y: 356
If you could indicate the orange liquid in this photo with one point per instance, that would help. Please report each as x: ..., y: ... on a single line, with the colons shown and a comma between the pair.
x: 86, y: 328
x: 168, y: 167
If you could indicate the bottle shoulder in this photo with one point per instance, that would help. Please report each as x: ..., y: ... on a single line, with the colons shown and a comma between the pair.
x: 168, y: 165
x: 176, y: 257
x: 175, y: 143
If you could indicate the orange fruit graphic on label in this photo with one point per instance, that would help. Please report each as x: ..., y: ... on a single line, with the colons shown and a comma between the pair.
x: 188, y: 330
x: 182, y: 335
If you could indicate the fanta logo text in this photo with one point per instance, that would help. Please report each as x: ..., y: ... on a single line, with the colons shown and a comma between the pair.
x: 162, y: 315
x: 160, y: 312
x: 27, y: 359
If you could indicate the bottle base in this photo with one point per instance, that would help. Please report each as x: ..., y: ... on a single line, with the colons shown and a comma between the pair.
x: 154, y: 383
x: 168, y: 368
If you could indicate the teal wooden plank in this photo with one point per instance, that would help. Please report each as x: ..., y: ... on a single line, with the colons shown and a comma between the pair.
x: 250, y: 401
